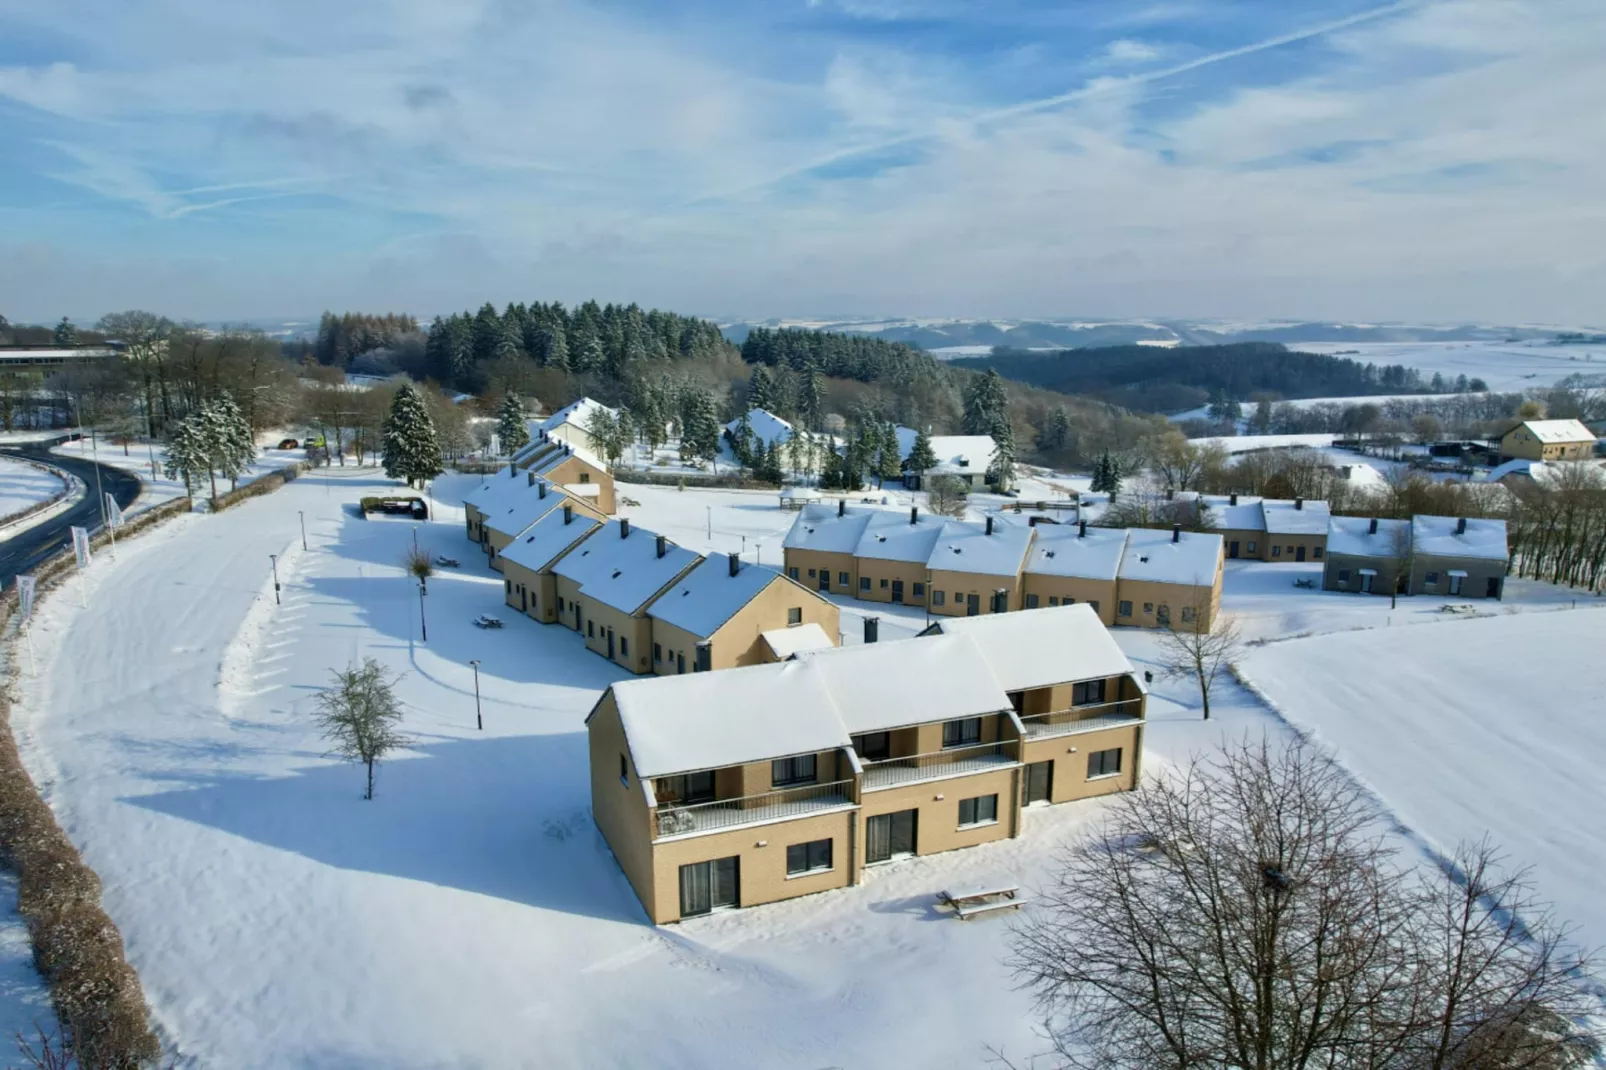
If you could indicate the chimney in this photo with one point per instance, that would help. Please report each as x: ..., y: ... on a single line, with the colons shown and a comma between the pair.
x: 704, y: 659
x: 541, y: 488
x: 531, y: 474
x: 989, y: 525
x: 735, y: 564
x: 1081, y: 529
x: 624, y: 528
x: 872, y: 629
x: 841, y: 507
x: 1233, y: 500
x: 662, y: 546
x: 1460, y: 525
x: 512, y: 471
x: 914, y: 514
x: 568, y: 513
x: 1299, y: 503
x: 1371, y: 529
x: 1176, y: 532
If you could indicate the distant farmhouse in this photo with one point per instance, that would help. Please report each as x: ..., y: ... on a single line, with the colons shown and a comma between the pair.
x: 965, y: 457
x: 1548, y: 440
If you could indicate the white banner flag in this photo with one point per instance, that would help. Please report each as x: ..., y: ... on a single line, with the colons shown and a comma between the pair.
x: 114, y: 515
x: 80, y: 546
x: 25, y: 592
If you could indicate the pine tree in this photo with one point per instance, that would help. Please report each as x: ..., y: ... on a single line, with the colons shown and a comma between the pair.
x: 811, y: 397
x: 1106, y: 474
x: 65, y: 333
x: 888, y: 463
x: 985, y: 403
x: 511, y: 426
x: 1055, y: 433
x: 228, y: 438
x: 1001, y: 473
x: 412, y: 449
x: 922, y: 458
x: 771, y: 468
x: 187, y: 453
x: 699, y: 432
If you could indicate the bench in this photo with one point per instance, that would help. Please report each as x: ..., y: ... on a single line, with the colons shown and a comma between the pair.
x: 968, y: 904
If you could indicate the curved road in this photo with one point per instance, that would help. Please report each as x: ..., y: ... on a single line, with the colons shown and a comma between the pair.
x: 27, y: 548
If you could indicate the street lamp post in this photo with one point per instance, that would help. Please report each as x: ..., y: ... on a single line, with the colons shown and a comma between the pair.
x: 274, y: 561
x: 479, y: 720
x: 423, y: 625
x: 302, y: 513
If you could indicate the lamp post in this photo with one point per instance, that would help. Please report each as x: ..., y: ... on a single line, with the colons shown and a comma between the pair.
x: 273, y: 559
x: 423, y: 625
x: 479, y: 720
x: 302, y: 513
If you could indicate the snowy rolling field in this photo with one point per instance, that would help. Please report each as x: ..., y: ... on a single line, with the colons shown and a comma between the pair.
x: 147, y: 461
x: 1504, y: 366
x: 470, y: 915
x: 1466, y: 728
x: 23, y: 486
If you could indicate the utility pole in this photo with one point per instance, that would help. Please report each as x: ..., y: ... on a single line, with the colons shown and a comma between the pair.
x: 274, y: 560
x: 479, y: 720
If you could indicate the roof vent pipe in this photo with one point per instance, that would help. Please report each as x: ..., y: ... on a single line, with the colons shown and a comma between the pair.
x: 1299, y: 503
x: 735, y: 563
x: 914, y: 514
x: 1176, y: 532
x: 568, y: 513
x: 989, y: 525
x: 541, y: 488
x: 1460, y: 525
x: 1081, y: 529
x: 662, y: 545
x: 872, y: 629
x: 1371, y: 529
x: 624, y: 528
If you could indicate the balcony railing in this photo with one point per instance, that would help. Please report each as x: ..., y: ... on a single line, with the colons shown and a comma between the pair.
x: 1090, y: 718
x: 671, y: 819
x: 951, y: 761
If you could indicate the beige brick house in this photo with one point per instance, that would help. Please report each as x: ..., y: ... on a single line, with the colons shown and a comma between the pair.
x: 973, y: 570
x: 581, y: 473
x: 603, y: 588
x: 729, y: 789
x: 1548, y: 440
x: 514, y: 514
x: 1169, y: 579
x: 718, y: 614
x: 1364, y: 554
x: 529, y: 584
x: 1074, y: 564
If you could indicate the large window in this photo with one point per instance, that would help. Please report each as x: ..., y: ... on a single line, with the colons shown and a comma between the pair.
x: 811, y: 857
x: 842, y: 579
x: 939, y: 598
x: 873, y: 746
x: 1031, y: 601
x: 784, y: 772
x: 982, y: 810
x: 1087, y: 692
x: 960, y: 733
x: 1104, y: 763
x: 1123, y: 609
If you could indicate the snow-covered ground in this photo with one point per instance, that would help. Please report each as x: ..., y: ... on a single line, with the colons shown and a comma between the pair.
x: 146, y: 461
x: 24, y: 999
x: 1504, y: 366
x: 24, y: 485
x: 1245, y: 443
x: 470, y: 914
x: 1466, y: 728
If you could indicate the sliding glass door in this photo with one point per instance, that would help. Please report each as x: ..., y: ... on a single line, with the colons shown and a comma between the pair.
x: 889, y: 836
x: 709, y: 886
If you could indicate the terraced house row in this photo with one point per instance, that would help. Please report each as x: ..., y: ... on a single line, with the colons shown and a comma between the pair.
x: 635, y: 597
x: 1140, y: 577
x: 731, y: 789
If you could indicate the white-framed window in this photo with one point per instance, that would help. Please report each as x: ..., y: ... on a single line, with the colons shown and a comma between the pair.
x: 982, y: 810
x: 811, y: 857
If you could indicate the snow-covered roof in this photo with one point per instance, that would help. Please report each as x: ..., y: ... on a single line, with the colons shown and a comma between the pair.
x: 1551, y: 432
x: 1353, y: 535
x: 623, y: 573
x: 515, y: 514
x: 800, y: 494
x: 1300, y: 517
x: 1152, y: 556
x: 877, y: 686
x: 708, y: 595
x: 576, y: 412
x: 890, y: 536
x: 784, y: 642
x: 818, y: 527
x: 1247, y: 515
x: 1060, y: 550
x: 1040, y: 647
x: 537, y: 546
x: 562, y: 452
x: 766, y: 426
x: 1436, y: 536
x: 709, y: 720
x: 968, y: 548
x: 962, y: 454
x: 493, y: 492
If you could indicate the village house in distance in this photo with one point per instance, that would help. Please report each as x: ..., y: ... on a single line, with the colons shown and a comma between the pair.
x: 1462, y: 557
x: 728, y: 789
x: 1548, y: 440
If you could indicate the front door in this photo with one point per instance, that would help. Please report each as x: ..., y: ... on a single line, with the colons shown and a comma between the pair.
x: 1366, y: 582
x: 610, y: 642
x: 1491, y: 587
x: 1299, y: 553
x: 972, y: 605
x: 1038, y: 785
x: 1232, y: 548
x: 825, y: 579
x: 889, y: 836
x: 1455, y: 583
x: 524, y: 601
x: 708, y: 886
x: 897, y: 592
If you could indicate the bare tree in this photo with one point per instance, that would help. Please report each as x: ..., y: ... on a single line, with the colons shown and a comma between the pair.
x: 360, y: 715
x: 946, y: 495
x: 1245, y: 911
x: 1402, y: 550
x: 1192, y: 647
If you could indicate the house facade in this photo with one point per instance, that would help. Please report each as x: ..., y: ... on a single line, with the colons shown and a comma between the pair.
x: 973, y: 570
x: 1170, y: 579
x: 732, y: 789
x: 1074, y: 565
x: 603, y: 587
x: 514, y: 515
x: 1548, y: 440
x: 528, y: 582
x: 1364, y: 554
x: 1456, y: 557
x: 717, y: 615
x: 1285, y: 531
x: 965, y: 457
x: 581, y: 473
x: 568, y: 425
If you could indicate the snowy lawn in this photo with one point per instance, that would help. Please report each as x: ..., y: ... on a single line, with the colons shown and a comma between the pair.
x: 146, y: 461
x: 1470, y: 727
x: 23, y: 486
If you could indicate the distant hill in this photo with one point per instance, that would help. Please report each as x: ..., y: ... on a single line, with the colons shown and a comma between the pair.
x: 1148, y: 378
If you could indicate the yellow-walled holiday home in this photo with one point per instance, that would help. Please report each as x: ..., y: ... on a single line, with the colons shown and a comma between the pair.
x: 508, y: 520
x: 530, y: 586
x: 579, y: 472
x: 728, y: 789
x: 603, y: 587
x: 1548, y: 440
x: 717, y: 616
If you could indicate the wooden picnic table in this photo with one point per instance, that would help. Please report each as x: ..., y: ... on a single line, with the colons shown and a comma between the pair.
x: 967, y: 904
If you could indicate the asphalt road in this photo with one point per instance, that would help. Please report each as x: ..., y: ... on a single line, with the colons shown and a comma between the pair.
x: 27, y: 548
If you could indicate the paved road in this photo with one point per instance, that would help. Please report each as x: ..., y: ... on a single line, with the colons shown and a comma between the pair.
x: 27, y: 548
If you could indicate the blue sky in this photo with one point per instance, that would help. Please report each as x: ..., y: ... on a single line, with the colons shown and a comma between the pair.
x: 1412, y: 161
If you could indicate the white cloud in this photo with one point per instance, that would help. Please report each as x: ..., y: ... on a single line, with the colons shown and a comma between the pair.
x: 1129, y: 50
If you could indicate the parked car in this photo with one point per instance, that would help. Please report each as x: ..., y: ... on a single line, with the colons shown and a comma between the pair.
x: 289, y: 444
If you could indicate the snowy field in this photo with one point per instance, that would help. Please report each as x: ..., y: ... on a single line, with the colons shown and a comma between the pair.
x: 23, y: 486
x: 146, y: 461
x: 470, y: 915
x: 1470, y: 727
x: 1504, y: 366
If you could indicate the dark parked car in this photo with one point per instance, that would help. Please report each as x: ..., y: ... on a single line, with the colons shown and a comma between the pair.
x: 289, y: 444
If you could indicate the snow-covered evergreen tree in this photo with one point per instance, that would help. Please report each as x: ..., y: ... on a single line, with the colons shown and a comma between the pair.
x: 412, y: 449
x: 699, y: 437
x: 761, y: 390
x: 229, y: 438
x: 1001, y: 473
x: 188, y: 454
x: 511, y: 427
x: 921, y: 456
